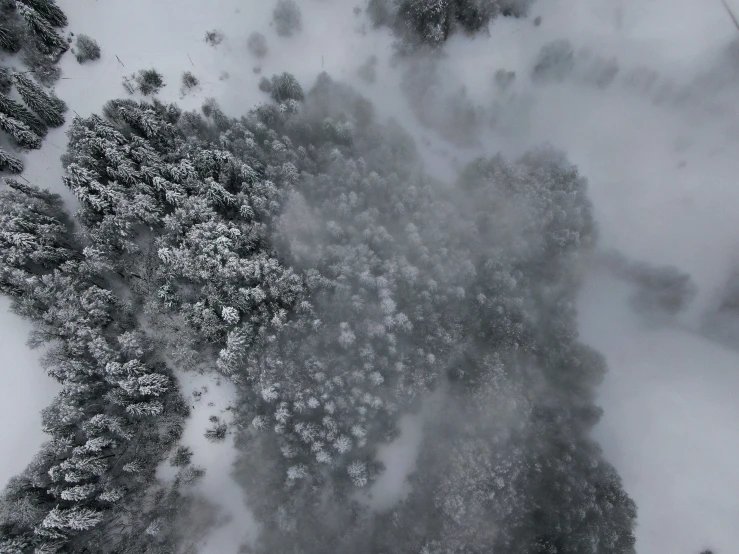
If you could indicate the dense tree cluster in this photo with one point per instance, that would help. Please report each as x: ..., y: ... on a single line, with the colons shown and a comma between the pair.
x: 28, y: 27
x: 429, y: 23
x: 117, y: 413
x: 507, y: 462
x: 302, y: 252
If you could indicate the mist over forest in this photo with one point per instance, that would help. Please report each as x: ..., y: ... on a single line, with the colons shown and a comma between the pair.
x: 393, y: 276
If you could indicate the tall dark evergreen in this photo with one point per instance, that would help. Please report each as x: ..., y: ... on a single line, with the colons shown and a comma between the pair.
x: 19, y: 132
x: 429, y: 23
x: 46, y: 106
x: 48, y: 39
x: 6, y: 81
x: 8, y: 162
x: 9, y: 39
x: 13, y: 109
x: 49, y: 10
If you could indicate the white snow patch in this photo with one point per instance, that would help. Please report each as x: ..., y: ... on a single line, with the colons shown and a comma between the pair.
x: 26, y: 391
x: 399, y: 457
x: 215, y: 396
x: 669, y: 425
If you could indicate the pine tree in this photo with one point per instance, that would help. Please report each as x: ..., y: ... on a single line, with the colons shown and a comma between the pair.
x: 37, y: 216
x: 87, y: 49
x: 20, y: 132
x: 10, y: 163
x: 49, y: 10
x: 431, y: 22
x: 6, y: 81
x: 40, y: 28
x: 286, y: 87
x: 13, y: 109
x: 48, y: 107
x: 9, y: 40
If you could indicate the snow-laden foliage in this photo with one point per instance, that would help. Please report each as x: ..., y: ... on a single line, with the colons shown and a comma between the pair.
x: 86, y: 49
x: 429, y: 23
x: 46, y: 106
x: 117, y: 413
x: 10, y: 163
x: 302, y: 252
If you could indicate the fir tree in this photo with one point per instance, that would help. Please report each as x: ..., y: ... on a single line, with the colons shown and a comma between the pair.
x: 149, y: 81
x: 9, y: 40
x: 40, y: 28
x: 10, y: 163
x: 20, y: 132
x: 6, y: 81
x: 555, y: 62
x: 48, y: 107
x: 87, y: 49
x: 49, y: 10
x: 13, y: 109
x: 285, y: 87
x: 43, y: 66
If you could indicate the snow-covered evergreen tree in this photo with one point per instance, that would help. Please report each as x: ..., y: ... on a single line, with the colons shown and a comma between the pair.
x: 48, y: 107
x: 9, y: 162
x: 87, y: 49
x: 21, y: 133
x: 285, y: 87
x: 13, y: 109
x: 40, y: 28
x: 49, y: 10
x: 9, y: 39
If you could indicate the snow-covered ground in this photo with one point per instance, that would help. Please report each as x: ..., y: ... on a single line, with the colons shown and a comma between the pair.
x: 210, y: 396
x: 670, y: 424
x: 25, y: 392
x: 662, y: 179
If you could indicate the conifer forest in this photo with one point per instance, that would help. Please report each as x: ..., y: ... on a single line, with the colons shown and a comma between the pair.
x: 369, y: 277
